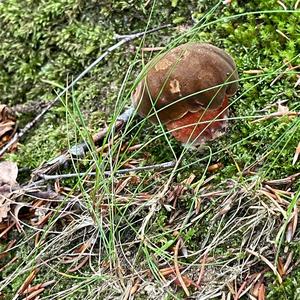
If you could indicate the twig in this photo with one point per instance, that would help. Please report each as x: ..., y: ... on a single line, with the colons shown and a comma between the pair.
x: 109, y: 173
x: 151, y: 49
x: 28, y: 126
x: 283, y: 181
x: 79, y: 150
x: 253, y: 71
x: 277, y: 114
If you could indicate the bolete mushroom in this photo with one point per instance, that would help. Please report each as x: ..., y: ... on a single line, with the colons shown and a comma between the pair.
x: 187, y: 90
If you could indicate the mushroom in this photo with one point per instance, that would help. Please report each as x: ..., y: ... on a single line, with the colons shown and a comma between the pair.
x: 187, y: 90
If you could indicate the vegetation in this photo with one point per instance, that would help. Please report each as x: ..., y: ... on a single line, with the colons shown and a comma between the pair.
x: 46, y: 44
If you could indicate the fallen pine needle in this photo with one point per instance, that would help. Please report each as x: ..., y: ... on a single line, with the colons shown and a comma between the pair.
x: 27, y: 281
x: 202, y: 269
x: 177, y: 268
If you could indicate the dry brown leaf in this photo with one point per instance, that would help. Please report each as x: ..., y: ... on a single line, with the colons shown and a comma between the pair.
x: 8, y: 176
x: 4, y: 208
x: 282, y: 109
x: 8, y: 173
x: 7, y: 124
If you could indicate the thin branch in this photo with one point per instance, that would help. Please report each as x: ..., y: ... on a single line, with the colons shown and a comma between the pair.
x: 166, y: 165
x: 79, y: 150
x: 28, y: 126
x: 277, y: 115
x: 282, y: 181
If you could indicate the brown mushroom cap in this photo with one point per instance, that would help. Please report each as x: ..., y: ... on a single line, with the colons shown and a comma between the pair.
x: 173, y: 77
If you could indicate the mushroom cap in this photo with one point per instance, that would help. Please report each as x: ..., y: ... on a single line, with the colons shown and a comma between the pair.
x: 191, y: 77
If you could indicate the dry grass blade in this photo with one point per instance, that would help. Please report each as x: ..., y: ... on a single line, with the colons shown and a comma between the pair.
x: 135, y: 287
x: 297, y: 152
x: 267, y: 262
x: 253, y: 72
x: 292, y: 226
x: 80, y: 265
x: 277, y: 115
x: 280, y: 267
x: 288, y: 262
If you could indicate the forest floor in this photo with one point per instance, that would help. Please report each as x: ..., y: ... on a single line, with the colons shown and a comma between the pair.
x: 218, y: 222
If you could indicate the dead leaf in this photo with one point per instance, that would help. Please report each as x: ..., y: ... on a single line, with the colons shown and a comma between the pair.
x: 8, y: 173
x: 8, y: 176
x: 7, y: 124
x: 282, y: 109
x: 4, y: 208
x: 215, y: 167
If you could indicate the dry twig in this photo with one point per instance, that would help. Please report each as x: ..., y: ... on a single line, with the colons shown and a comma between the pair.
x: 166, y: 165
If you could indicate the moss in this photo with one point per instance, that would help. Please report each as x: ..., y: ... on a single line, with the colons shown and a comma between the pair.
x: 45, y: 44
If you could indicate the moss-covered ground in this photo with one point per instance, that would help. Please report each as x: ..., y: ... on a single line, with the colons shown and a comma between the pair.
x: 44, y: 44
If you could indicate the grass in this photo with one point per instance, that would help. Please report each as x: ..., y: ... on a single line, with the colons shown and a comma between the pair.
x: 127, y: 226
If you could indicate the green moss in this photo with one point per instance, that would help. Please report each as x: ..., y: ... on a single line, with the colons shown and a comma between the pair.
x: 45, y: 44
